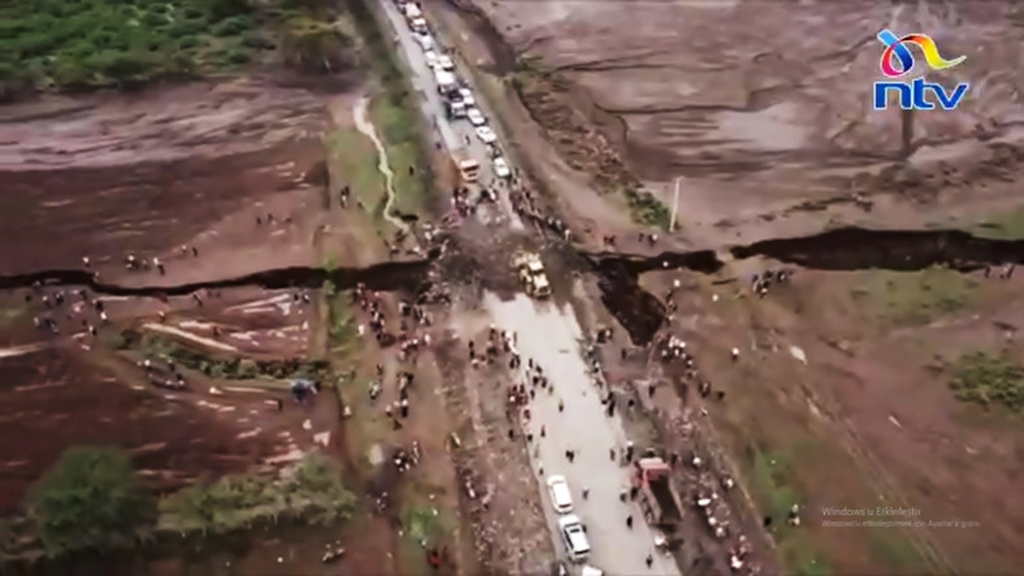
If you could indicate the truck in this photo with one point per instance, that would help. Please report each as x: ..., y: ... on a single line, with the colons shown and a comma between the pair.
x: 657, y: 497
x: 532, y: 276
x: 466, y: 168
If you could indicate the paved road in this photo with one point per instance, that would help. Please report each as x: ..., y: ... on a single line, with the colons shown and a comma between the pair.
x: 551, y: 336
x: 453, y: 134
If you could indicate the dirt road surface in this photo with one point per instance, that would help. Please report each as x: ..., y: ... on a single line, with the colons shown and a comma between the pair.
x: 550, y: 335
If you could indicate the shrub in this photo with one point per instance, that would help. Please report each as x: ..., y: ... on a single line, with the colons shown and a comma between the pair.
x: 123, y: 66
x: 155, y: 19
x: 236, y: 56
x: 257, y: 42
x: 183, y: 28
x: 90, y: 499
x: 188, y: 42
x: 247, y: 368
x: 987, y: 380
x: 72, y: 74
x: 232, y: 26
x: 221, y: 9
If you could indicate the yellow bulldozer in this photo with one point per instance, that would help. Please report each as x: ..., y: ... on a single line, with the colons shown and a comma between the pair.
x: 530, y: 271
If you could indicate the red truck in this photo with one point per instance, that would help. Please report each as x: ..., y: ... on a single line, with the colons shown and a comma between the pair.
x: 658, y: 498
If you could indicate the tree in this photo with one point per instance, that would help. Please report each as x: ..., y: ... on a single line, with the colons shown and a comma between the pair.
x: 315, y: 47
x: 90, y: 499
x: 221, y: 9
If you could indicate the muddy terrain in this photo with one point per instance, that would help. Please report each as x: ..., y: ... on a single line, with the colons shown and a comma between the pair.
x: 769, y: 126
x: 148, y: 174
x: 839, y: 392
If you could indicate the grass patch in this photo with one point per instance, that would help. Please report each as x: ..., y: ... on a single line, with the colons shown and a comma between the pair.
x: 424, y: 524
x: 771, y: 486
x: 312, y: 492
x: 645, y: 209
x: 395, y: 113
x: 12, y: 315
x: 988, y: 380
x: 1003, y: 226
x: 916, y: 298
x: 343, y: 331
x: 222, y: 367
x: 399, y: 126
x: 355, y: 159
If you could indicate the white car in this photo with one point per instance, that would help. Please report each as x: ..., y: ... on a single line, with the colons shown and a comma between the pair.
x: 467, y: 96
x: 476, y: 118
x: 574, y: 537
x: 561, y: 497
x: 426, y: 41
x: 501, y: 170
x: 445, y: 62
x: 431, y: 57
x: 486, y: 135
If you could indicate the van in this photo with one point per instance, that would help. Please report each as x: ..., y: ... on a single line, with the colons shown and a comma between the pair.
x: 574, y: 537
x: 412, y: 11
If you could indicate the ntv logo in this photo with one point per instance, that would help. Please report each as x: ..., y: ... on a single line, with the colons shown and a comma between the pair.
x: 912, y: 95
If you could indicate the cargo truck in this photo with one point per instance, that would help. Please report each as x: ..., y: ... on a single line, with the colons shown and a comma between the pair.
x: 658, y: 498
x: 466, y: 168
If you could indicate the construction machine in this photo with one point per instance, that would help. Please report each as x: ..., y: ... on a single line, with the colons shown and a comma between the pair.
x: 530, y: 271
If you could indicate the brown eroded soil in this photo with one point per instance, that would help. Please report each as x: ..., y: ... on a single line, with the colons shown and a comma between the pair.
x: 768, y: 125
x: 742, y: 113
x: 146, y: 174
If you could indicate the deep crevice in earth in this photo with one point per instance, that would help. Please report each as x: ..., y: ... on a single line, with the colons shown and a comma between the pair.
x: 902, y: 250
x: 643, y: 315
x: 386, y: 276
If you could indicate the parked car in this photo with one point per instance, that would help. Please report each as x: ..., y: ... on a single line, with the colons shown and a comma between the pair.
x: 426, y: 41
x: 574, y: 537
x: 431, y: 57
x: 486, y: 135
x: 501, y: 169
x: 445, y: 61
x: 558, y: 487
x: 467, y: 96
x: 476, y: 118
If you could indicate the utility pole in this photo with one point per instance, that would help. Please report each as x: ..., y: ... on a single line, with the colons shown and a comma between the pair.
x: 907, y: 133
x: 675, y: 206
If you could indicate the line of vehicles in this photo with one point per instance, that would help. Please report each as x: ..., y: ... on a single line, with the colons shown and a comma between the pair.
x: 653, y: 490
x: 458, y: 99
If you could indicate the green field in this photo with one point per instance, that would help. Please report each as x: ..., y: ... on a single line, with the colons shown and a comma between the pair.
x: 71, y: 45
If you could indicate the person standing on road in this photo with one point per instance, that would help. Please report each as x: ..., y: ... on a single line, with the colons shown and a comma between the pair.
x: 649, y: 560
x: 629, y: 521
